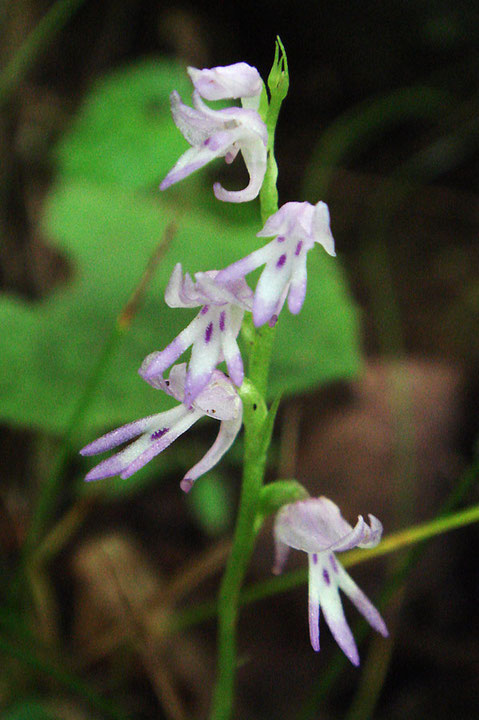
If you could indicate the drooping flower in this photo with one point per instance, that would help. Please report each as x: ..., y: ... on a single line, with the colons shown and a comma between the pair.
x: 297, y: 226
x: 212, y: 333
x: 156, y: 432
x: 317, y: 527
x: 222, y: 133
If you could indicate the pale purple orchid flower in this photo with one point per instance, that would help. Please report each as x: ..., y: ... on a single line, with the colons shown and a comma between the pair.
x: 297, y: 227
x: 222, y: 133
x: 229, y: 82
x: 212, y: 333
x: 156, y: 432
x: 317, y: 527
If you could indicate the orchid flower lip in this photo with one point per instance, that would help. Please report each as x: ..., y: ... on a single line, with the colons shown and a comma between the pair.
x: 317, y: 527
x: 295, y: 228
x: 212, y: 334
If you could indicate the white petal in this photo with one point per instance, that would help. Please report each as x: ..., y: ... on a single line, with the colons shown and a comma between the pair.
x: 196, y: 157
x: 204, y: 356
x: 157, y: 362
x: 271, y: 285
x: 219, y: 399
x: 312, y: 525
x: 181, y: 292
x: 321, y: 228
x: 299, y: 280
x: 293, y: 218
x: 254, y: 154
x: 195, y: 125
x: 185, y: 421
x: 230, y: 81
x: 314, y: 580
x: 333, y: 612
x: 242, y: 267
x: 359, y: 599
x: 226, y: 436
x: 373, y: 534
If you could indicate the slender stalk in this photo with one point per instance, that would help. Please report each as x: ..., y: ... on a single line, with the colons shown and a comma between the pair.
x: 228, y: 603
x: 257, y: 437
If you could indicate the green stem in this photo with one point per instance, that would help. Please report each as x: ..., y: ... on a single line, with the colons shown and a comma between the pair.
x: 229, y: 597
x: 258, y: 428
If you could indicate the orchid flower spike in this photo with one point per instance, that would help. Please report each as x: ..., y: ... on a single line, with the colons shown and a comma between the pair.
x: 297, y: 227
x: 156, y: 432
x: 222, y: 133
x: 317, y: 527
x: 212, y: 333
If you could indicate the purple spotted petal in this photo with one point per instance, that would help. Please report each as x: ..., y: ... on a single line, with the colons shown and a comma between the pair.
x: 273, y: 283
x: 332, y: 608
x: 157, y: 431
x: 205, y: 356
x: 158, y: 445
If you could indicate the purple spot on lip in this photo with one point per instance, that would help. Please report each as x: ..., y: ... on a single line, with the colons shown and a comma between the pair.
x: 211, y: 143
x: 281, y: 261
x: 158, y: 434
x: 315, y: 558
x: 298, y: 248
x: 333, y: 563
x: 326, y: 576
x: 208, y: 332
x: 273, y: 320
x: 222, y: 320
x: 280, y: 238
x: 204, y: 309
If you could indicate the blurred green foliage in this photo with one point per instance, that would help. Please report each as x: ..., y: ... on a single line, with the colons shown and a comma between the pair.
x: 30, y: 709
x: 106, y: 216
